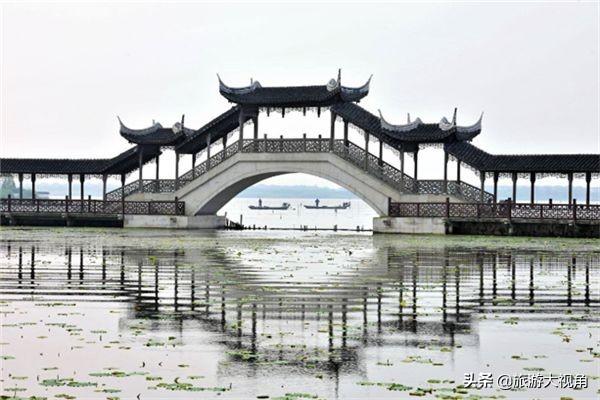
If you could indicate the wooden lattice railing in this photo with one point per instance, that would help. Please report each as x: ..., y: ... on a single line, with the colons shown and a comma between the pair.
x: 505, y: 210
x: 51, y: 206
x: 349, y: 152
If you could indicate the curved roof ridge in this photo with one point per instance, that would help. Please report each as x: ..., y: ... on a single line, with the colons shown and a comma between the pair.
x: 144, y: 131
x: 399, y: 128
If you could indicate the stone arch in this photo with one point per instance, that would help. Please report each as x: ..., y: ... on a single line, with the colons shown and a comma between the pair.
x: 213, y: 192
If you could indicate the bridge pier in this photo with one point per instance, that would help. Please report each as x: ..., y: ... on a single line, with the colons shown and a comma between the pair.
x: 175, y: 221
x: 493, y: 227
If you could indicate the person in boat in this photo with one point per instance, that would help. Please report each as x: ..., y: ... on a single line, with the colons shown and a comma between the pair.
x: 317, y: 203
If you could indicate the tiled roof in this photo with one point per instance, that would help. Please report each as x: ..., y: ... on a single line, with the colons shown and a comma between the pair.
x: 123, y: 163
x: 415, y: 132
x: 155, y: 135
x: 51, y: 166
x: 217, y: 128
x: 543, y: 163
x: 293, y: 96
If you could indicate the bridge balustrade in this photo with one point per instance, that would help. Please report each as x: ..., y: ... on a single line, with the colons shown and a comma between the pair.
x: 51, y: 206
x: 500, y: 210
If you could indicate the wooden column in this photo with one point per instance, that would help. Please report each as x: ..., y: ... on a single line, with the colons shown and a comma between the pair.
x: 570, y: 178
x: 140, y: 166
x: 402, y: 166
x: 255, y: 126
x: 81, y: 183
x: 123, y: 194
x: 224, y: 142
x: 104, y: 178
x: 380, y: 160
x: 208, y: 151
x: 20, y: 186
x: 70, y: 179
x: 366, y: 150
x: 241, y: 124
x: 33, y: 186
x: 416, y: 161
x: 176, y: 170
x: 495, y: 187
x: 458, y: 172
x: 445, y: 172
x: 157, y: 169
x: 194, y: 166
x: 332, y: 131
x: 345, y: 133
x: 514, y: 187
x: 482, y: 186
x: 588, y: 181
x: 532, y: 194
x: 255, y: 121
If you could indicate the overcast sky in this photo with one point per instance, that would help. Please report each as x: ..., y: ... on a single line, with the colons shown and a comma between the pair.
x: 68, y: 70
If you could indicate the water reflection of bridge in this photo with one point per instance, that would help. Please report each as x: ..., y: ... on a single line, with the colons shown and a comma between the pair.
x: 400, y: 296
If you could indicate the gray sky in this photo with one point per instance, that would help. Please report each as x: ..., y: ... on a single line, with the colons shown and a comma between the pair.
x: 68, y: 70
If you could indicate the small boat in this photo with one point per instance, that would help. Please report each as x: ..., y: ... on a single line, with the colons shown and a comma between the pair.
x: 283, y: 206
x: 342, y: 206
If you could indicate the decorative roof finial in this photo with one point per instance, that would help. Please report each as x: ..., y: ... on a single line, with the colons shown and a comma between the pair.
x: 408, y: 118
x: 339, y: 76
x: 454, y: 117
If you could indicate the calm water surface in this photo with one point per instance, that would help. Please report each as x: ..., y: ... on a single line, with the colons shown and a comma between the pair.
x: 358, y: 214
x: 96, y: 314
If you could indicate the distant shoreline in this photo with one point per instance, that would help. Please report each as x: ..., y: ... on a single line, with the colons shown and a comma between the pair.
x: 557, y: 193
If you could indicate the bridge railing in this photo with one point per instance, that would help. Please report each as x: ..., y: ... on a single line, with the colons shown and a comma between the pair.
x: 382, y: 170
x: 507, y: 210
x: 212, y: 162
x: 458, y: 189
x: 52, y: 206
x: 350, y: 152
x: 149, y: 185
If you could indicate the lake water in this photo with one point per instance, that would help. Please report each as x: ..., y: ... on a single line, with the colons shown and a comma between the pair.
x: 358, y: 214
x: 158, y: 314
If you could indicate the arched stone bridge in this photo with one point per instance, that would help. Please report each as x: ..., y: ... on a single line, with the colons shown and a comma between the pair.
x: 430, y: 206
x: 213, y: 183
